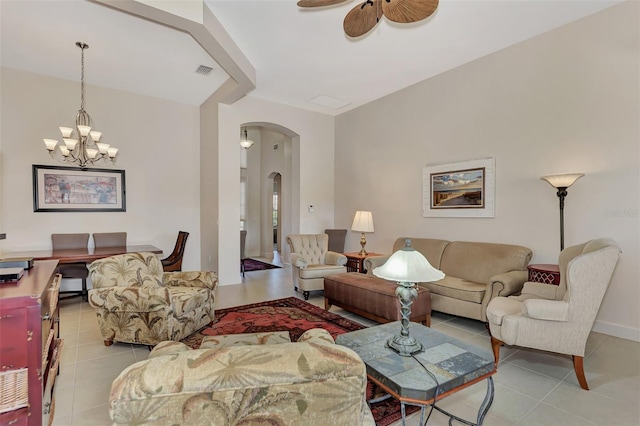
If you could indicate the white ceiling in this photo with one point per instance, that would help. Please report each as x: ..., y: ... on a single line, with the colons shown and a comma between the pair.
x: 298, y: 54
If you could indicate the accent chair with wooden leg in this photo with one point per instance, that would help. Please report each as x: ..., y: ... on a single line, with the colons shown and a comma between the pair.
x: 311, y: 261
x: 557, y: 318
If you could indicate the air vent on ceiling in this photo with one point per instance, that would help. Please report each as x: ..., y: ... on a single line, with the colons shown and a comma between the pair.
x: 204, y: 70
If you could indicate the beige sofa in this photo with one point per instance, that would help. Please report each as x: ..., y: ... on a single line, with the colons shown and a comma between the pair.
x: 475, y: 273
x: 245, y: 380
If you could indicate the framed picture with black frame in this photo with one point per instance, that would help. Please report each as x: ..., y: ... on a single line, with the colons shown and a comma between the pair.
x: 459, y: 189
x: 71, y: 189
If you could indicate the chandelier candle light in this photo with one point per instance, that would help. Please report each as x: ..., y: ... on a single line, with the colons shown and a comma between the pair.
x: 85, y: 147
x: 562, y: 182
x: 362, y: 222
x: 407, y: 267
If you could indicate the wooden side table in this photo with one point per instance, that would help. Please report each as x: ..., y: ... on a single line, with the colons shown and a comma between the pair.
x: 544, y: 273
x: 355, y: 261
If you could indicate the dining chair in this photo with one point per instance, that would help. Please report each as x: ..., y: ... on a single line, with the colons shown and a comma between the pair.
x: 173, y: 262
x: 243, y: 239
x: 72, y: 270
x: 110, y: 239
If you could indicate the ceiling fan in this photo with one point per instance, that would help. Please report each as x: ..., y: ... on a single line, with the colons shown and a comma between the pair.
x: 362, y: 18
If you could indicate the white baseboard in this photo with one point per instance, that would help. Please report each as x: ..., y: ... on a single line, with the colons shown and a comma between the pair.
x: 617, y: 330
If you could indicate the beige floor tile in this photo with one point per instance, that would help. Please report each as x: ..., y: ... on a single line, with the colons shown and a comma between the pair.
x: 456, y: 332
x: 525, y: 381
x: 557, y: 366
x: 96, y: 416
x: 97, y: 349
x: 545, y: 415
x: 525, y: 393
x: 593, y: 406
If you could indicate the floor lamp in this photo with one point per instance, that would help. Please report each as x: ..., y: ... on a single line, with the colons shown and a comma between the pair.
x: 562, y: 182
x: 407, y: 267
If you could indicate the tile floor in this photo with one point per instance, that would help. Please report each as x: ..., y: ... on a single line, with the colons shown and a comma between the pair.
x: 532, y: 388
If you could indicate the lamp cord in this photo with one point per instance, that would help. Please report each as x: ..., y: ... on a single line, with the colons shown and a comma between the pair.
x: 435, y: 395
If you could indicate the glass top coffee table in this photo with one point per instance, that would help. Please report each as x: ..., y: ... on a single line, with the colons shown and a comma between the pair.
x: 454, y: 364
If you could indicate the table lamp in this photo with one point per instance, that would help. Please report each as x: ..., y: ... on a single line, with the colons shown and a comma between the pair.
x: 407, y: 267
x: 362, y: 222
x: 562, y: 182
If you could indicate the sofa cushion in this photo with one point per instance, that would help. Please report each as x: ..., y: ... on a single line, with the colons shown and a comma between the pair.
x: 457, y: 288
x: 186, y: 299
x: 430, y: 248
x: 321, y: 271
x: 270, y: 338
x: 500, y: 307
x: 478, y: 262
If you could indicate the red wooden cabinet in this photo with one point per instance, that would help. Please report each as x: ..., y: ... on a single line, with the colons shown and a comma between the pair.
x: 29, y: 340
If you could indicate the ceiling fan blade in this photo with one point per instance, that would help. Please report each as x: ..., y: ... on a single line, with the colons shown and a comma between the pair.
x: 405, y: 11
x: 362, y: 18
x: 318, y: 3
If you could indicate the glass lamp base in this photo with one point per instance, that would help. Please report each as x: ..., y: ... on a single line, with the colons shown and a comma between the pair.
x: 404, y: 345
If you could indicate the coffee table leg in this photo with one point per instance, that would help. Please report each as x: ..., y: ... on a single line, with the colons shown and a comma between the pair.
x: 482, y: 411
x: 486, y: 403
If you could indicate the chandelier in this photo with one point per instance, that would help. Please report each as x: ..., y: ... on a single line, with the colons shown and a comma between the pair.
x: 81, y: 145
x: 245, y: 142
x: 366, y: 14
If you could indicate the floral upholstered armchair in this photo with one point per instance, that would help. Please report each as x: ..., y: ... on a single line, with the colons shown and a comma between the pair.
x: 310, y: 382
x: 136, y: 302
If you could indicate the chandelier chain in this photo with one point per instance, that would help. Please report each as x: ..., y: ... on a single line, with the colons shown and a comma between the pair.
x: 82, y: 47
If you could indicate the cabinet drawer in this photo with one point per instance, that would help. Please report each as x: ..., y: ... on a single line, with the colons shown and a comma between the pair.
x: 13, y: 334
x: 50, y: 380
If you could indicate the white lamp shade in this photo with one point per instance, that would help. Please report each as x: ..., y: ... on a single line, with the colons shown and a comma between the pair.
x: 409, y: 266
x: 50, y: 144
x: 102, y: 147
x: 95, y: 135
x: 91, y: 153
x: 70, y: 143
x: 66, y: 131
x: 84, y: 130
x: 246, y: 143
x: 362, y: 222
x: 64, y: 150
x: 112, y: 152
x: 563, y: 180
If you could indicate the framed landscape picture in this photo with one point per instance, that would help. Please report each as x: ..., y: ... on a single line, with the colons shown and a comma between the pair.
x: 461, y: 189
x: 70, y: 189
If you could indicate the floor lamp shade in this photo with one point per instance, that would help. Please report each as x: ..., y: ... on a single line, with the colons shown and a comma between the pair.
x: 562, y: 182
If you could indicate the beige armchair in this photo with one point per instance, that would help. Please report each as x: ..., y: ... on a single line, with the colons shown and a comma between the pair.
x: 136, y: 302
x: 557, y: 318
x: 311, y: 261
x: 245, y: 382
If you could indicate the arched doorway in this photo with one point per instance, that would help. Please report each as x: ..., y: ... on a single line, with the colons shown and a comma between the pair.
x: 272, y: 175
x: 276, y: 210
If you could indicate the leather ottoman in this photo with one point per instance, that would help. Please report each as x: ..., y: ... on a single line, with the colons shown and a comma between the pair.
x: 373, y: 298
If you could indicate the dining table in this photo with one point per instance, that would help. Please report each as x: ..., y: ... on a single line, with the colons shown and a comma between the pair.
x: 86, y: 255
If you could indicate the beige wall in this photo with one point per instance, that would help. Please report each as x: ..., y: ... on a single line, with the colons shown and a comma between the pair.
x: 566, y: 101
x: 159, y: 150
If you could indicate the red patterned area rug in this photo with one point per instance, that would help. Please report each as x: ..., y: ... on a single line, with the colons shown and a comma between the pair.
x: 295, y: 316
